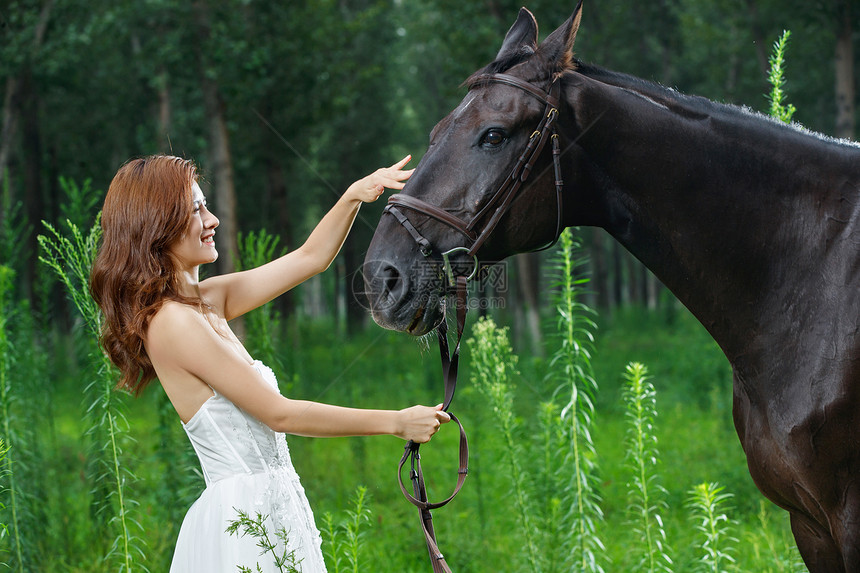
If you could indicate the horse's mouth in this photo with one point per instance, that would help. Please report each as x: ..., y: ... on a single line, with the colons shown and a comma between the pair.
x: 416, y: 322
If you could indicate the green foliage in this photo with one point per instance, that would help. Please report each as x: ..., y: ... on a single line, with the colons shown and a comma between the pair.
x: 345, y: 546
x: 571, y: 366
x: 80, y: 202
x: 493, y: 364
x: 4, y: 472
x: 772, y: 553
x: 646, y: 505
x: 262, y: 324
x: 284, y: 559
x: 9, y: 469
x: 71, y: 257
x: 707, y: 503
x: 776, y: 78
x: 14, y: 229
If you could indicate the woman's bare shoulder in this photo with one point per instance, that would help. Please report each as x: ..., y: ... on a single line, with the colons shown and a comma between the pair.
x: 173, y: 325
x: 174, y: 314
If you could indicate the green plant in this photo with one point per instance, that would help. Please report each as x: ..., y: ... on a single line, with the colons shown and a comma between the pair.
x: 10, y: 470
x: 645, y: 494
x: 548, y: 482
x: 571, y: 363
x: 4, y: 471
x: 71, y: 258
x: 707, y: 503
x: 263, y: 325
x: 781, y: 557
x: 345, y: 538
x: 776, y: 78
x: 493, y: 364
x: 80, y: 202
x: 285, y: 560
x: 14, y: 229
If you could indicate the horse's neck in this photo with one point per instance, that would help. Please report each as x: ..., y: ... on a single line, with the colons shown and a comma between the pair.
x: 725, y: 207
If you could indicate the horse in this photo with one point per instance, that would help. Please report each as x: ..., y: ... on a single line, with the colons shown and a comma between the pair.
x: 753, y: 224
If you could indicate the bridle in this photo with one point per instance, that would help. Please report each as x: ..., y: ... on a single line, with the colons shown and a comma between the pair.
x: 492, y: 212
x: 501, y: 200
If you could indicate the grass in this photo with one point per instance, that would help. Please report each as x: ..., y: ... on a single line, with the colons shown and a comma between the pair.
x: 527, y: 447
x: 694, y: 429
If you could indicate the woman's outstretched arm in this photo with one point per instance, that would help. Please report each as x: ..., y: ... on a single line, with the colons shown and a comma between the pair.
x: 241, y: 292
x: 190, y: 357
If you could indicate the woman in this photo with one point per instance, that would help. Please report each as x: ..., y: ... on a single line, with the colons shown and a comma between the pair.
x: 160, y: 321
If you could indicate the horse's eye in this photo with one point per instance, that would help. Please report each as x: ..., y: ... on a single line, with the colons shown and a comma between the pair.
x: 493, y: 138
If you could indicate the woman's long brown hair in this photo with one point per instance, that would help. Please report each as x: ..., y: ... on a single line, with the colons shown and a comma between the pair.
x: 148, y: 207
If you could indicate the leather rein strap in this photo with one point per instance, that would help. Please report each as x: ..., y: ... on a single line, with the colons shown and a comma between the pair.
x: 492, y: 211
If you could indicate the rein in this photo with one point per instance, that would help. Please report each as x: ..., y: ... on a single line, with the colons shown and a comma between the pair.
x: 492, y: 211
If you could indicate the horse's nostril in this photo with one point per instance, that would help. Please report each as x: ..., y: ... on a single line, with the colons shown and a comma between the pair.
x: 392, y: 281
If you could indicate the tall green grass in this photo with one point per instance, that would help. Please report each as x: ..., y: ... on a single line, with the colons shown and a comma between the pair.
x: 493, y: 364
x: 71, y: 257
x: 776, y: 77
x: 263, y: 325
x: 344, y: 539
x: 708, y: 507
x: 4, y: 471
x: 647, y: 503
x: 571, y: 368
x: 10, y: 469
x: 273, y: 545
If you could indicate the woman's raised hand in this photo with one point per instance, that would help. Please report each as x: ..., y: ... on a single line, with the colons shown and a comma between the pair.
x: 419, y: 423
x: 368, y: 189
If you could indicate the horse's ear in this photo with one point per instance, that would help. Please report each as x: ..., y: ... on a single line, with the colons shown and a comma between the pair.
x: 558, y: 46
x: 521, y: 39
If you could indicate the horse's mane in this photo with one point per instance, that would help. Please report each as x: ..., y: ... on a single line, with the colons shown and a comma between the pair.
x: 694, y: 107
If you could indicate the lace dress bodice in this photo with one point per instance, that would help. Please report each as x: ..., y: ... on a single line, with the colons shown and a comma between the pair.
x: 247, y: 467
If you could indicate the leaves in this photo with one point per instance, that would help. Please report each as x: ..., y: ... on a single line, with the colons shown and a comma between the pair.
x: 776, y: 77
x: 71, y: 258
x: 345, y: 545
x: 646, y: 496
x: 278, y: 548
x: 708, y: 505
x: 571, y: 366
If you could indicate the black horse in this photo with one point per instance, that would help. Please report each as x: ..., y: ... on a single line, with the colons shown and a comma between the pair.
x: 753, y: 224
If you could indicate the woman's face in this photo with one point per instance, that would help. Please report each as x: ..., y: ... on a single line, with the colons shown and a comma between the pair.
x: 197, y: 245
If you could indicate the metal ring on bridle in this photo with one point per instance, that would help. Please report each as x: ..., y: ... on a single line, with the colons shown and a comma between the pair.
x: 450, y: 271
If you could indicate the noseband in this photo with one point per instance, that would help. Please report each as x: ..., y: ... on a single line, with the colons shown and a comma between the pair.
x: 501, y: 199
x: 492, y: 211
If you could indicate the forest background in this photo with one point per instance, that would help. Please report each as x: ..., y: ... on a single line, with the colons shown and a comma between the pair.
x: 283, y: 104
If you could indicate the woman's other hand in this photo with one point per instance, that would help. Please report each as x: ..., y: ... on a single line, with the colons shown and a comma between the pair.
x: 371, y: 187
x: 419, y: 423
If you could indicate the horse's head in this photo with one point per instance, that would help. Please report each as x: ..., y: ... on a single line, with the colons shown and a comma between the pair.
x: 459, y: 194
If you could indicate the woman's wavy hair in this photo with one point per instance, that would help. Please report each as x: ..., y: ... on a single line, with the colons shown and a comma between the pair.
x: 148, y: 208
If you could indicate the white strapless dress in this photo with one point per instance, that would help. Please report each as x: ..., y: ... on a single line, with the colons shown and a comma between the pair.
x: 247, y: 467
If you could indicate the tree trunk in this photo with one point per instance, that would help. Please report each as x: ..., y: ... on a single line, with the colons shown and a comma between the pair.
x: 617, y: 275
x: 34, y: 203
x: 600, y: 273
x: 528, y: 280
x: 164, y: 112
x: 280, y: 202
x: 12, y: 99
x: 10, y: 121
x: 761, y: 47
x: 220, y: 160
x: 844, y: 60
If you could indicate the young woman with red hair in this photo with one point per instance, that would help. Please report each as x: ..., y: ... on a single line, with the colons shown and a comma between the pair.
x: 161, y: 321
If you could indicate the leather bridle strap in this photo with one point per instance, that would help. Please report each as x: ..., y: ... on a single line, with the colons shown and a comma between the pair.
x: 419, y: 497
x: 493, y: 211
x: 502, y: 198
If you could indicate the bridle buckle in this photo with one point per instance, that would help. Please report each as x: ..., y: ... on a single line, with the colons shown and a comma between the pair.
x: 449, y: 270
